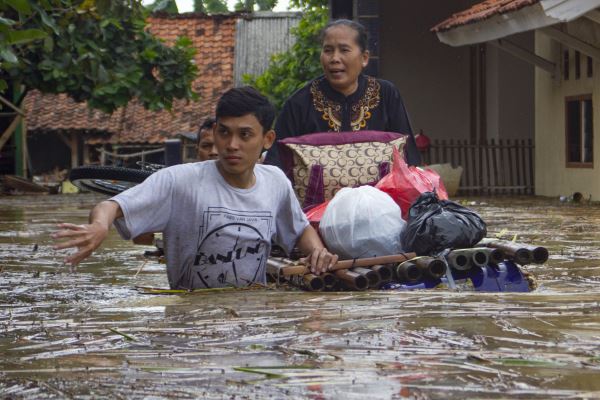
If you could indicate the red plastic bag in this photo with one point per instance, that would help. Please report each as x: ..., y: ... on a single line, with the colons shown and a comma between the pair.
x: 405, y: 184
x: 314, y: 214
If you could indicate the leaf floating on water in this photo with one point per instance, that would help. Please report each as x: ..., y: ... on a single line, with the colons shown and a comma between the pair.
x: 156, y: 290
x: 476, y: 358
x: 297, y: 366
x: 267, y: 374
x: 256, y: 346
x: 126, y: 336
x: 501, y: 233
x: 520, y: 362
x: 390, y: 365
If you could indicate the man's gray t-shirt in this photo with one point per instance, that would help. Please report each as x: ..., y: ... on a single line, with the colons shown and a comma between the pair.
x: 215, y: 235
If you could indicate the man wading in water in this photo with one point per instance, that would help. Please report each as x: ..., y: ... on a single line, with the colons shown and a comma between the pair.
x: 219, y: 217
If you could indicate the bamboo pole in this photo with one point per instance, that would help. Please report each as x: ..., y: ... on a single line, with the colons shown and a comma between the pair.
x: 299, y: 268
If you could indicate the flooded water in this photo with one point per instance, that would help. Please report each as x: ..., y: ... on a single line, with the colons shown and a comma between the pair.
x: 89, y: 334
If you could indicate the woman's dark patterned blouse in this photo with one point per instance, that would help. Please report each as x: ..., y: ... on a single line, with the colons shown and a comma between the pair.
x: 317, y: 107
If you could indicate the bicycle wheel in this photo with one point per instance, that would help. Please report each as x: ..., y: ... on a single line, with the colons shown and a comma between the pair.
x: 105, y: 179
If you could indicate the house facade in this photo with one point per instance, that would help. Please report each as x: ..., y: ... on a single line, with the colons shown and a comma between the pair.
x: 566, y: 58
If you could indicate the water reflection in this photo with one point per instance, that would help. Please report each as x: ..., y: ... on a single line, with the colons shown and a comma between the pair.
x: 89, y: 334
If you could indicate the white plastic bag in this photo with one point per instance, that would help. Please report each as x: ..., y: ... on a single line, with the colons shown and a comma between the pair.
x: 362, y: 222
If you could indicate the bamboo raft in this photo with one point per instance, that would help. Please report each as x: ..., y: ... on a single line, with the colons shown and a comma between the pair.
x: 495, y: 265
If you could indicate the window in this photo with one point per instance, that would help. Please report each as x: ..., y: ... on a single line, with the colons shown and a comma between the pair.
x: 577, y: 65
x: 590, y: 67
x: 579, y: 131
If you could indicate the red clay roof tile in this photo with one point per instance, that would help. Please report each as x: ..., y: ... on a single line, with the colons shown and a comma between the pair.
x: 482, y: 11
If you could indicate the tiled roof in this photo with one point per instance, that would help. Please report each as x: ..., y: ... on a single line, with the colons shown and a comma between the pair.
x: 482, y: 11
x: 214, y: 40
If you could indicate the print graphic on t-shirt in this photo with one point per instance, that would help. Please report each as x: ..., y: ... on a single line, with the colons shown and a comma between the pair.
x: 232, y: 247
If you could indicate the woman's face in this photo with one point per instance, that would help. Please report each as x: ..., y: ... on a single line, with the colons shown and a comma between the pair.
x: 342, y: 59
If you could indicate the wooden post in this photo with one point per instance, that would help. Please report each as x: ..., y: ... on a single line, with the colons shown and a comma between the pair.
x: 102, y: 155
x: 24, y: 149
x: 74, y: 149
x: 482, y: 95
x: 511, y: 180
x: 531, y: 158
x: 86, y: 153
x: 494, y: 165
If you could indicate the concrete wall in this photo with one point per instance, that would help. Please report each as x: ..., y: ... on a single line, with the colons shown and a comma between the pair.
x: 434, y: 78
x: 552, y: 177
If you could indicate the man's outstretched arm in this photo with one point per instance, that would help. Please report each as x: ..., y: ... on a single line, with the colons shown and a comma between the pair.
x: 88, y: 237
x: 317, y: 256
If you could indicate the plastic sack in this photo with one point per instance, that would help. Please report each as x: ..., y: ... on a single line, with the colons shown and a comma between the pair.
x: 405, y: 183
x: 362, y: 222
x: 434, y: 225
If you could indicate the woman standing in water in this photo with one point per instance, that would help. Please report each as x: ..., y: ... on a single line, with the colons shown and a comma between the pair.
x: 343, y: 98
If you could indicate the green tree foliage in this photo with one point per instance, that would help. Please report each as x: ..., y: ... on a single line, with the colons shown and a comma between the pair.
x: 166, y: 6
x: 94, y: 50
x: 250, y: 5
x: 308, y: 4
x: 289, y: 71
x: 210, y: 6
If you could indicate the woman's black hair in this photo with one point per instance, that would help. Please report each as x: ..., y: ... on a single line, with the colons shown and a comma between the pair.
x: 241, y: 101
x: 361, y: 32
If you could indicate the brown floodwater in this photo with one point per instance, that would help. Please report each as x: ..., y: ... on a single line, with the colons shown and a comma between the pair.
x: 89, y: 334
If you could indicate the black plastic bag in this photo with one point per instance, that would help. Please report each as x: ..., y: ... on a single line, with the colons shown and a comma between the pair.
x: 434, y: 225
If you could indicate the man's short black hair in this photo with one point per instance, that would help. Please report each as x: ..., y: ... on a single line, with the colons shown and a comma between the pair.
x: 241, y: 101
x: 207, y: 124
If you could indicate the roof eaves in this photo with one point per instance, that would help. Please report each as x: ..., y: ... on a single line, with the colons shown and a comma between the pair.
x: 476, y: 26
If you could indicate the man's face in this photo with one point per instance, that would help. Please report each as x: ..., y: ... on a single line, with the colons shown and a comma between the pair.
x: 206, y: 149
x: 239, y: 142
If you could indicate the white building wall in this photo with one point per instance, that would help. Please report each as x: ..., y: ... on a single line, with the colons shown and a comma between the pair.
x: 552, y: 177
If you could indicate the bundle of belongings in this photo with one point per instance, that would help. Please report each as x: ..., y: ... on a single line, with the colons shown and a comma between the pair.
x: 368, y: 204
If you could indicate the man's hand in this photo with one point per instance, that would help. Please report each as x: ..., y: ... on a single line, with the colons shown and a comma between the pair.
x: 88, y: 237
x: 320, y: 260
